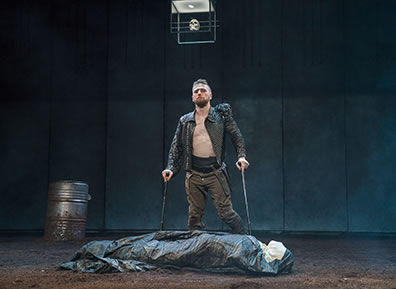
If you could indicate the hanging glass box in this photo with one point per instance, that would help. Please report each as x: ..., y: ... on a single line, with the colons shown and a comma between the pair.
x: 193, y: 21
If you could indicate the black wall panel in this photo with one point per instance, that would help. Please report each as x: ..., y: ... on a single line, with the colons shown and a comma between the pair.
x: 24, y: 164
x: 371, y: 117
x: 135, y: 138
x: 24, y: 115
x: 314, y: 152
x: 252, y: 85
x: 78, y: 100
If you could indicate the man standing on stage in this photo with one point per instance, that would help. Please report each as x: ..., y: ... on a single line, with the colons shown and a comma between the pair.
x: 199, y: 146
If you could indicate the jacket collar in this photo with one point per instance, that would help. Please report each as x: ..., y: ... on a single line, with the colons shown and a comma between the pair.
x: 191, y: 115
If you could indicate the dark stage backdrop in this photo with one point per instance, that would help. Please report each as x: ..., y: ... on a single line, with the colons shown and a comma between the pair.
x: 93, y: 90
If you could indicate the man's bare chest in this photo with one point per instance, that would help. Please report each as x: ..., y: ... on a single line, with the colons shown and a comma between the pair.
x: 200, y: 129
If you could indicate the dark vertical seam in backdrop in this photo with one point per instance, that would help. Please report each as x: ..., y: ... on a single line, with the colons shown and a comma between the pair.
x: 141, y: 42
x: 184, y: 58
x: 222, y: 54
x: 164, y: 90
x: 126, y: 32
x: 376, y: 37
x: 283, y: 114
x: 85, y: 36
x: 75, y: 34
x: 51, y: 88
x: 222, y: 64
x: 312, y: 33
x: 345, y: 118
x: 261, y: 37
x: 244, y: 33
x: 200, y: 57
x: 106, y: 113
x: 303, y: 7
x: 251, y: 35
x: 135, y: 55
x: 320, y: 32
x: 194, y: 51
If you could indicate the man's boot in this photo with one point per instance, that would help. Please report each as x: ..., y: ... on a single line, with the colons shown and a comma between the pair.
x: 235, y: 222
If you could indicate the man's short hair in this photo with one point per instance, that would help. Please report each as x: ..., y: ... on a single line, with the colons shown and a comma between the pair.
x: 201, y: 81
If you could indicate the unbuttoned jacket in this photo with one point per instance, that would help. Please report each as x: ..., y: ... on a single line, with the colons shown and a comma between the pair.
x: 218, y: 122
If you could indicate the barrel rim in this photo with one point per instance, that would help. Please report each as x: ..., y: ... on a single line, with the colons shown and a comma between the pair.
x: 69, y: 182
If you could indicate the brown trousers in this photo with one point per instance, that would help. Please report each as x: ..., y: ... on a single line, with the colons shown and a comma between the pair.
x: 198, y: 185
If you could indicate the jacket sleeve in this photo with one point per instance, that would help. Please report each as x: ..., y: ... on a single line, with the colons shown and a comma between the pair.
x: 175, y: 156
x: 232, y: 128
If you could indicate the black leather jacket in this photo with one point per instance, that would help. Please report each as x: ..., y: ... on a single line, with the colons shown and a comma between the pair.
x: 218, y: 122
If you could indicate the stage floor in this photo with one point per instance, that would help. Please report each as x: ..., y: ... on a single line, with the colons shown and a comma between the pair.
x: 319, y: 262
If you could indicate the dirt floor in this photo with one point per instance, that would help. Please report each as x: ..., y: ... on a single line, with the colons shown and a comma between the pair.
x: 319, y: 262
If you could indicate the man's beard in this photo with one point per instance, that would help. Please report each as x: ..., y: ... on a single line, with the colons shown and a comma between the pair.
x: 201, y: 102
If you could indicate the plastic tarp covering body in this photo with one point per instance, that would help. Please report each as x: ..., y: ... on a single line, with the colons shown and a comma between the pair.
x: 193, y: 250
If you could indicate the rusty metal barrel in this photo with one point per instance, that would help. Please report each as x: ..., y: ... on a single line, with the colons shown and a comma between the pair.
x: 66, y: 211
